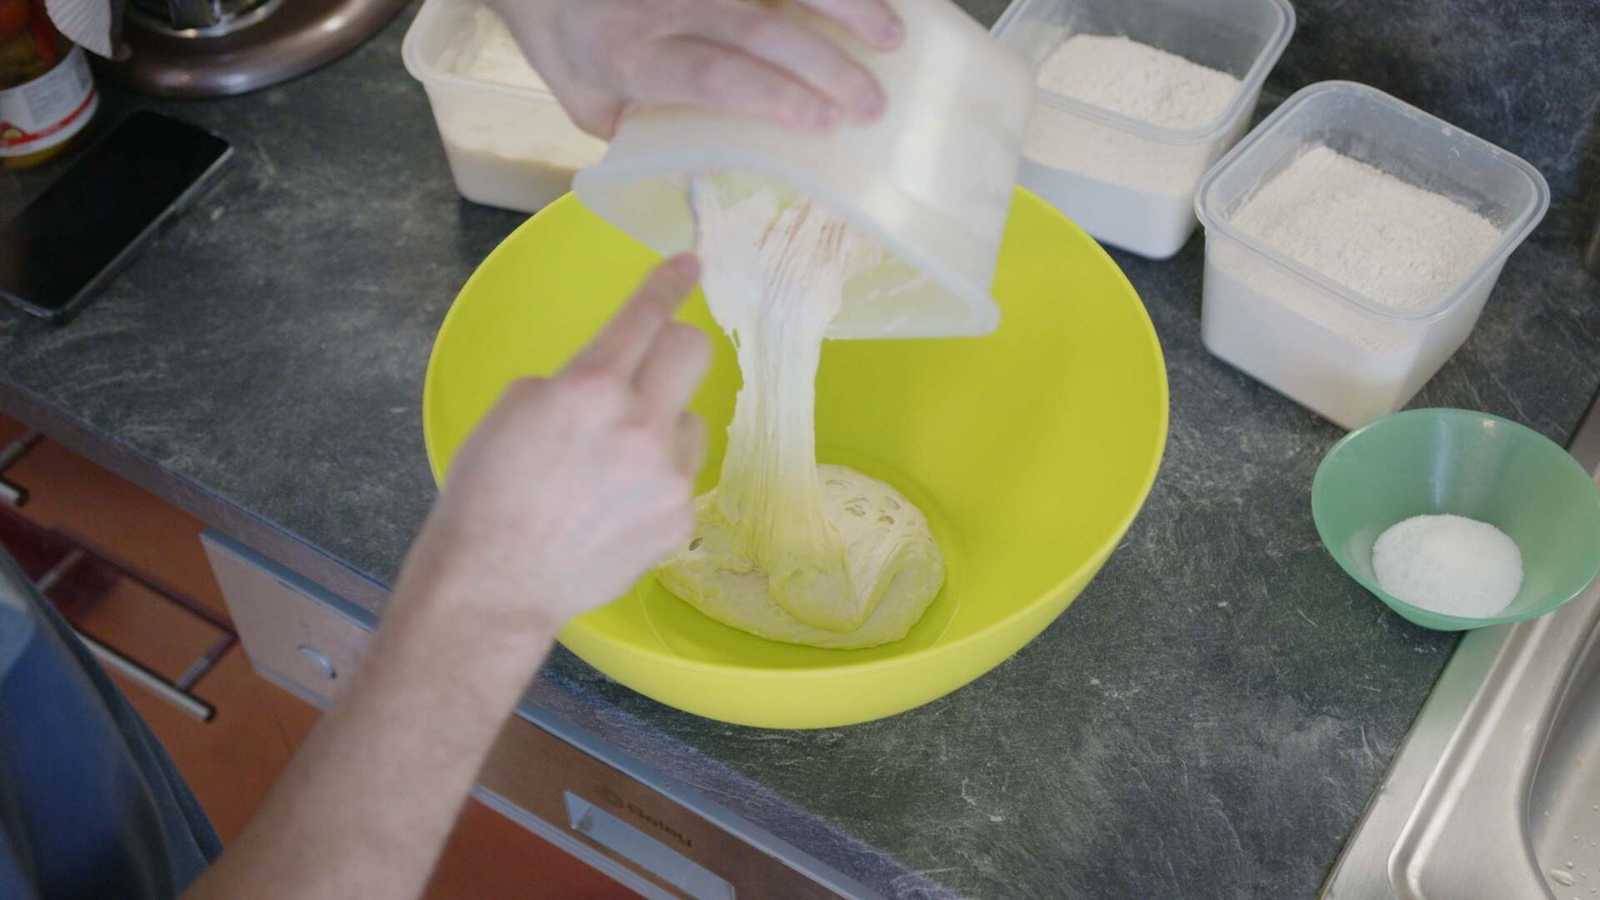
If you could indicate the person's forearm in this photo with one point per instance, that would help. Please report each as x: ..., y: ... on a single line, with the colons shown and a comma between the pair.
x: 365, y: 807
x: 570, y: 488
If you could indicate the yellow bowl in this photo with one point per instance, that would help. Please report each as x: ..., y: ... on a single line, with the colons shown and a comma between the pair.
x: 1031, y: 450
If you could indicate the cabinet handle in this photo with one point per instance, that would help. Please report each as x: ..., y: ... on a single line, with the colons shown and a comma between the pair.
x: 645, y: 851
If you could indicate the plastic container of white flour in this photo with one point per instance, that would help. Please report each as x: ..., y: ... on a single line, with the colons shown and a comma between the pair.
x: 1350, y: 357
x: 1127, y: 181
x: 930, y: 182
x: 508, y: 141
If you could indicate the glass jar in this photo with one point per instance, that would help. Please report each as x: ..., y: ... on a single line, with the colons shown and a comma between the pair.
x: 47, y: 95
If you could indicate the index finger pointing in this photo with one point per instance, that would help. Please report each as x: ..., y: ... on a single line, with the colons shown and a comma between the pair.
x: 622, y: 344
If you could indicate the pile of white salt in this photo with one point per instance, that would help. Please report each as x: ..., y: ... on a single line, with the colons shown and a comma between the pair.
x: 1449, y: 564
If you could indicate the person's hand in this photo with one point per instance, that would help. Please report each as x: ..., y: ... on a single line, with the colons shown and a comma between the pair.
x: 573, y: 486
x: 601, y: 56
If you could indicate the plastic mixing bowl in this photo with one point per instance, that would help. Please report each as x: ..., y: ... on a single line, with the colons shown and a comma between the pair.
x: 1030, y: 450
x: 1436, y: 461
x: 930, y: 181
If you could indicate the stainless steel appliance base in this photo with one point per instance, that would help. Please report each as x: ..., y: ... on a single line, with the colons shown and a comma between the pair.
x: 294, y: 39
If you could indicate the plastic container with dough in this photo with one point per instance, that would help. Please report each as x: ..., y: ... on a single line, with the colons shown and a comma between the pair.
x: 931, y: 181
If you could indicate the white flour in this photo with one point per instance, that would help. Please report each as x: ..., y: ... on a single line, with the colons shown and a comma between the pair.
x: 1449, y: 564
x: 1393, y: 243
x: 784, y: 548
x: 1140, y: 82
x: 490, y: 128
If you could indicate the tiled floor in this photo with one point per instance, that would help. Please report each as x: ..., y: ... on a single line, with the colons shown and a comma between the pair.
x: 232, y: 760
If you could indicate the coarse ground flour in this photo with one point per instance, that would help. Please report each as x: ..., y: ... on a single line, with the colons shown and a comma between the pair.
x: 1395, y: 244
x: 1138, y: 81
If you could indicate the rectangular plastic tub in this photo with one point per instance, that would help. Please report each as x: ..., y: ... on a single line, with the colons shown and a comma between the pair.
x: 1127, y: 182
x: 1336, y: 352
x: 508, y: 145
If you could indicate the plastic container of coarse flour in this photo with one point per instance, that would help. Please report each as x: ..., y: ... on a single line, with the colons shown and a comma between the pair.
x: 931, y: 181
x: 1343, y: 355
x: 508, y: 141
x: 1127, y: 182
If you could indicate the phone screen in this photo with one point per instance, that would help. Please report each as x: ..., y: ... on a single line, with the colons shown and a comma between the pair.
x: 55, y: 248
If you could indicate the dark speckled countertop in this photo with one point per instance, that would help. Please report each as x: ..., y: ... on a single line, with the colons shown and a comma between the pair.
x: 1208, y: 719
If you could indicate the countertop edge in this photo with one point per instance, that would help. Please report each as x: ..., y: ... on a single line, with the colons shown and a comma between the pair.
x: 282, y: 547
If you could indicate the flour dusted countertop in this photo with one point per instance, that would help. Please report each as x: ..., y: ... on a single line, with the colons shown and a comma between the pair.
x: 1207, y: 720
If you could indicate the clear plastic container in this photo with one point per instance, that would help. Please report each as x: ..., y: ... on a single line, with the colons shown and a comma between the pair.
x: 1127, y: 182
x: 508, y: 145
x: 1338, y: 353
x: 931, y: 181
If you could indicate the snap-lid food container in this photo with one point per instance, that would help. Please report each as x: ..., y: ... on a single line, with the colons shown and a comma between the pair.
x: 1125, y: 181
x: 509, y: 143
x: 931, y: 181
x: 1343, y: 355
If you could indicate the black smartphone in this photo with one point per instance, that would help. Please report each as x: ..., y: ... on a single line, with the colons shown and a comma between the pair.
x: 61, y: 247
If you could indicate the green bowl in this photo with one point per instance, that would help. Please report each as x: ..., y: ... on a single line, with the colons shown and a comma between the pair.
x: 1435, y: 461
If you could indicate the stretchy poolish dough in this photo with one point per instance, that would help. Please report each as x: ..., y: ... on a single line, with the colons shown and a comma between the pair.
x: 784, y: 548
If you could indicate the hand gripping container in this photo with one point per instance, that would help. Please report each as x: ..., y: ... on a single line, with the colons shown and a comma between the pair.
x: 931, y: 181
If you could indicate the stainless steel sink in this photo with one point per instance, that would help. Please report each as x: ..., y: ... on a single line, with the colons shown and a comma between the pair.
x: 1496, y: 792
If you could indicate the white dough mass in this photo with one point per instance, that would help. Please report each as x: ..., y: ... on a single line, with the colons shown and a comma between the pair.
x: 784, y: 548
